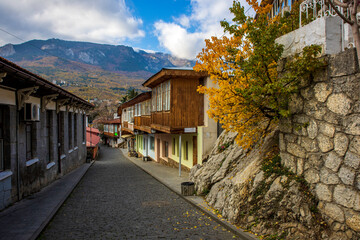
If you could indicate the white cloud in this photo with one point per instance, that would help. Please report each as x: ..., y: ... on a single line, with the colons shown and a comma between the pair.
x: 106, y: 21
x: 185, y: 36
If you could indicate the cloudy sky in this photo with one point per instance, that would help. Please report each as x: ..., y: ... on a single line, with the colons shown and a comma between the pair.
x: 178, y: 27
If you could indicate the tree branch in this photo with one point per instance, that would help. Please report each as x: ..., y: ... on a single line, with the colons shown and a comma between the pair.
x: 341, y: 4
x: 340, y: 14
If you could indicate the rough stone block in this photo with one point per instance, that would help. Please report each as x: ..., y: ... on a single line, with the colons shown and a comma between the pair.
x: 314, y: 109
x: 322, y: 91
x: 333, y: 118
x: 300, y: 166
x: 327, y: 129
x: 341, y: 143
x: 312, y: 176
x: 310, y: 145
x: 326, y: 144
x: 344, y: 196
x: 323, y: 192
x: 347, y: 175
x: 357, y: 202
x: 352, y: 160
x: 328, y: 177
x: 291, y: 138
x: 355, y: 145
x: 312, y: 129
x: 333, y: 161
x: 289, y: 161
x: 339, y: 103
x: 352, y: 124
x: 314, y: 161
x: 354, y: 222
x: 296, y: 150
x: 344, y: 63
x: 334, y: 212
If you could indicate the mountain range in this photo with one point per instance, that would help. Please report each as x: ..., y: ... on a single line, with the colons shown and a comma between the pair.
x: 90, y: 69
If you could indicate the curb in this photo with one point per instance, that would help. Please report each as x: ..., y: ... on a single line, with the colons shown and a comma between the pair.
x: 38, y: 231
x: 243, y: 235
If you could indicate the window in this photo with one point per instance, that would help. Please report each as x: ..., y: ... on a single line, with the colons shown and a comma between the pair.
x: 28, y: 139
x: 75, y: 129
x: 166, y: 95
x: 124, y: 114
x: 136, y: 110
x: 153, y: 100
x: 70, y: 133
x: 116, y: 129
x: 159, y: 98
x: 61, y: 120
x: 186, y: 150
x: 152, y: 141
x: 147, y: 107
x: 130, y: 114
x: 48, y: 134
x: 174, y: 146
x: 166, y: 149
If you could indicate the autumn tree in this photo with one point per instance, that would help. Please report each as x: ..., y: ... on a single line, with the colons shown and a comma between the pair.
x: 251, y: 96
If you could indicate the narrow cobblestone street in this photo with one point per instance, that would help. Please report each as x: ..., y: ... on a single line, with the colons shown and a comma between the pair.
x: 117, y: 200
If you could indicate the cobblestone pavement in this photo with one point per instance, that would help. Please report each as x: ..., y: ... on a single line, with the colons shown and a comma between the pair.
x: 117, y: 200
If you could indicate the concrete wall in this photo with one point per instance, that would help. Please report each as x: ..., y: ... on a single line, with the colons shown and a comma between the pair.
x: 325, y: 31
x: 207, y: 134
x: 321, y: 141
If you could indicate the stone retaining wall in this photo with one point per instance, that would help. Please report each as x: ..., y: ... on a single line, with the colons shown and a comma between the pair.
x: 321, y: 141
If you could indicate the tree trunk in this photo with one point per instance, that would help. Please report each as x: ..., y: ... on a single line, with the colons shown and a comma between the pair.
x: 355, y: 28
x: 356, y: 36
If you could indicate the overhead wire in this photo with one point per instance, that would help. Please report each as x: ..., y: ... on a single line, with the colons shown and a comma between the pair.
x: 61, y: 58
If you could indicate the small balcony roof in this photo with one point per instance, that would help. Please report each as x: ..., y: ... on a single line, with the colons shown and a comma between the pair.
x: 168, y: 73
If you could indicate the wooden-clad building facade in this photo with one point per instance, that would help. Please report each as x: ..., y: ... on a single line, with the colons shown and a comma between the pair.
x: 172, y: 125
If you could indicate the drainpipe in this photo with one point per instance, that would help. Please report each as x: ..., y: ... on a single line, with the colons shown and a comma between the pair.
x: 180, y: 155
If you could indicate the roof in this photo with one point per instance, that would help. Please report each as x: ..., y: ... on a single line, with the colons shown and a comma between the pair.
x: 167, y: 73
x: 92, y: 130
x: 108, y: 121
x: 92, y: 138
x: 18, y: 76
x: 139, y: 98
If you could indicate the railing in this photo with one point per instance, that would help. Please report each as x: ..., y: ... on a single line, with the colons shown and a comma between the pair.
x: 313, y: 9
x: 160, y: 118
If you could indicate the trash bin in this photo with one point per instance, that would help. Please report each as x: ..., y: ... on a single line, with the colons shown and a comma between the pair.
x: 187, y: 188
